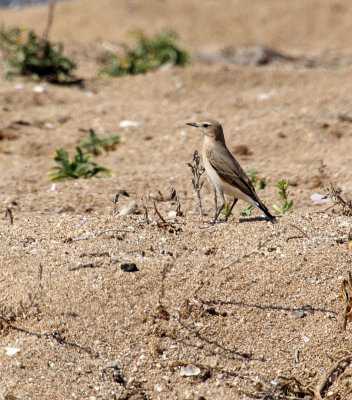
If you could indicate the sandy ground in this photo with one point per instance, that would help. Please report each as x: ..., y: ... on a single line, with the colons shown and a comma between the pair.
x: 245, y: 302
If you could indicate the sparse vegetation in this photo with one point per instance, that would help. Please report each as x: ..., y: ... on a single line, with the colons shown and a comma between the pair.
x: 29, y: 55
x: 286, y: 205
x: 80, y: 167
x: 99, y: 146
x: 149, y: 54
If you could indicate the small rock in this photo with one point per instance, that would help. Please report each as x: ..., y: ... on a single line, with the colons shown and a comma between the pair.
x: 129, y: 267
x: 40, y: 89
x: 300, y: 314
x: 172, y: 214
x: 158, y: 388
x: 126, y: 123
x: 190, y: 370
x: 265, y: 96
x: 305, y: 338
x: 11, y: 351
x: 319, y: 198
x: 129, y: 208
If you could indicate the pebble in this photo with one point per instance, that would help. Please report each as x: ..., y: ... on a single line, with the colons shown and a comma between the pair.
x: 40, y: 89
x: 129, y: 267
x: 126, y: 123
x: 318, y: 198
x: 129, y: 208
x: 300, y: 314
x: 190, y: 370
x: 304, y: 337
x: 11, y: 351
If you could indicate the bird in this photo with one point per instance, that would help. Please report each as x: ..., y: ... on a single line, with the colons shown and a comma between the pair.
x: 224, y: 171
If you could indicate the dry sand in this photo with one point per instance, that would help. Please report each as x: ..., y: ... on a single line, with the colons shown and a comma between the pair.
x: 244, y: 302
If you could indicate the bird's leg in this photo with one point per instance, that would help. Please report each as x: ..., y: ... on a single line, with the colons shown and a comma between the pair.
x: 222, y: 205
x: 232, y: 206
x: 215, y: 199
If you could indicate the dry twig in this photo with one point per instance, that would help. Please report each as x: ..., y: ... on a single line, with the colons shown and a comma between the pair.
x: 346, y: 205
x: 8, y: 212
x: 346, y: 294
x: 87, y: 265
x: 49, y: 21
x: 197, y: 172
x: 335, y: 371
x: 164, y: 224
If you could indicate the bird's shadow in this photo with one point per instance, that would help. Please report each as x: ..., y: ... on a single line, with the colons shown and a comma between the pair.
x: 240, y: 221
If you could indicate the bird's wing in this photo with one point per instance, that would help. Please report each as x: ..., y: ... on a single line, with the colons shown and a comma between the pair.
x: 231, y: 172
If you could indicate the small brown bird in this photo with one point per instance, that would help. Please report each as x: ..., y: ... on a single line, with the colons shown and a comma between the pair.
x: 224, y: 171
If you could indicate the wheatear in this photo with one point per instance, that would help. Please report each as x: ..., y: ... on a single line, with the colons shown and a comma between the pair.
x: 224, y: 171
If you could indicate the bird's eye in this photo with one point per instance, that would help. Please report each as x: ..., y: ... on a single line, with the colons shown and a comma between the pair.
x: 205, y: 125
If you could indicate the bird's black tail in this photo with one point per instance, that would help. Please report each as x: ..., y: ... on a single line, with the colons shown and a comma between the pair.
x: 271, y: 218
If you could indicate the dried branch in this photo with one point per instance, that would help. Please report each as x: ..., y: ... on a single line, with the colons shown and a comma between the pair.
x: 336, y: 370
x: 173, y: 196
x: 346, y: 294
x: 49, y: 21
x: 346, y: 205
x: 197, y: 172
x: 87, y: 265
x: 8, y: 212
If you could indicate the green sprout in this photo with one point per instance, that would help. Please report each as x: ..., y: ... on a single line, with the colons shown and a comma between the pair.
x: 259, y: 184
x: 80, y: 167
x: 149, y: 54
x: 99, y: 146
x: 286, y: 205
x: 247, y: 211
x: 226, y: 210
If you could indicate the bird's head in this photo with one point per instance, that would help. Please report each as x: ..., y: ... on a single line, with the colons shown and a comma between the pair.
x: 210, y: 128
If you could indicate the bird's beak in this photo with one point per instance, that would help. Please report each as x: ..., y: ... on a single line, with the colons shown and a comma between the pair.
x: 192, y: 124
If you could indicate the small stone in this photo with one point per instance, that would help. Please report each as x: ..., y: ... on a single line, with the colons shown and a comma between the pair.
x: 129, y: 267
x: 305, y: 338
x: 319, y: 198
x: 11, y: 351
x: 126, y: 123
x: 300, y: 314
x: 49, y: 125
x: 190, y: 370
x: 129, y: 208
x: 40, y: 89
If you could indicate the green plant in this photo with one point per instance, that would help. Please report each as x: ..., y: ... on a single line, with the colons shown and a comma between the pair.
x: 79, y: 167
x: 258, y: 183
x: 99, y: 146
x: 149, y: 54
x: 286, y: 205
x: 36, y: 57
x: 226, y: 210
x: 247, y: 211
